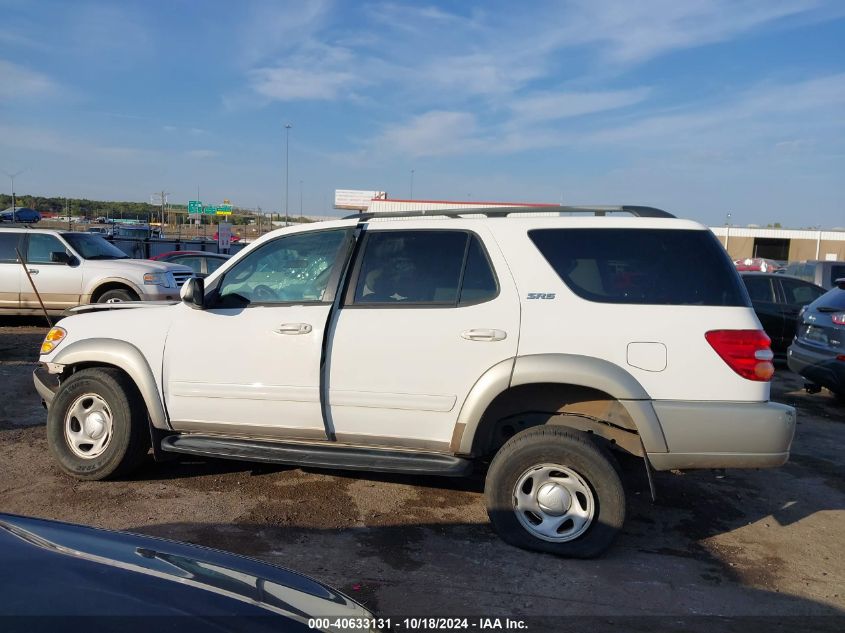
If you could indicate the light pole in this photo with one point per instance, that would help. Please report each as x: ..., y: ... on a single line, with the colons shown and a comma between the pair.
x: 12, y: 178
x: 300, y: 202
x: 728, y: 230
x: 288, y: 126
x: 412, y: 185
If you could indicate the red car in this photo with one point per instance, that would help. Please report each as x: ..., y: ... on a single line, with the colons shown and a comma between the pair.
x: 235, y: 238
x: 757, y: 264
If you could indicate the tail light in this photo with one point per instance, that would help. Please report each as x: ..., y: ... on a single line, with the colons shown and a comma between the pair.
x: 838, y: 318
x: 747, y: 352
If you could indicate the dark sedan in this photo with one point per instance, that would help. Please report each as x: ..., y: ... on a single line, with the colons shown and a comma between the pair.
x: 199, y: 261
x: 58, y: 569
x: 818, y: 353
x: 777, y: 300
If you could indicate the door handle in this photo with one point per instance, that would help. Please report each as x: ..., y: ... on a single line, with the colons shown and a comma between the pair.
x: 294, y: 328
x: 33, y: 271
x: 485, y: 335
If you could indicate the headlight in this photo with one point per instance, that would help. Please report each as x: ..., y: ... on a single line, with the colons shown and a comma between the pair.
x: 156, y: 279
x: 55, y: 336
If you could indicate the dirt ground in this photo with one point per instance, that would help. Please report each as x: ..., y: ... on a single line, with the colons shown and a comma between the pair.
x: 736, y: 543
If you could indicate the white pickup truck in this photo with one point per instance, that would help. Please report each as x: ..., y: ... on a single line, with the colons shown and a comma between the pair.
x: 72, y: 268
x: 530, y: 345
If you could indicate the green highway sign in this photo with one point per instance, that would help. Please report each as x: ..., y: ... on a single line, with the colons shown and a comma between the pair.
x: 195, y: 206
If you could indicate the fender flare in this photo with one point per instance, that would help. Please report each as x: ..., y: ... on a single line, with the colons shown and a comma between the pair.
x: 570, y: 369
x: 125, y: 356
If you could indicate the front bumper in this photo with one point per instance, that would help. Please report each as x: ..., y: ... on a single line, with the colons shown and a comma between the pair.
x: 46, y: 384
x: 159, y: 293
x: 818, y: 366
x: 724, y: 434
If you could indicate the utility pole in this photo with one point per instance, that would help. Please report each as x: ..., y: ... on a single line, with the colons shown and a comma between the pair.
x: 411, y: 197
x: 288, y: 126
x: 14, y: 202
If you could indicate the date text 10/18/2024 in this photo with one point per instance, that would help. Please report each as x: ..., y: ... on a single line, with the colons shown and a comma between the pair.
x: 419, y: 624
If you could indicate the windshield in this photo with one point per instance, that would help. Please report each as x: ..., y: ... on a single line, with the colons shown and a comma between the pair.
x: 93, y: 246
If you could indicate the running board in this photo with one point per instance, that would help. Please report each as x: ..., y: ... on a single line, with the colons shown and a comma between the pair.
x: 317, y: 456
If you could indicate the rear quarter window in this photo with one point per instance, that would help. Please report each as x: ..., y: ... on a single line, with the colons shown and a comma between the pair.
x: 837, y: 271
x: 642, y: 266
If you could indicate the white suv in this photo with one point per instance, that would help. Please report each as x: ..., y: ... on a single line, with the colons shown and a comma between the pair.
x: 534, y: 345
x: 69, y: 269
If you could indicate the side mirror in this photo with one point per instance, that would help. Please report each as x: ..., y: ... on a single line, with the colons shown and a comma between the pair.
x: 59, y: 257
x: 193, y: 293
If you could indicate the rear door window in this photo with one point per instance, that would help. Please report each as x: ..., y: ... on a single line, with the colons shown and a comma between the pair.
x: 642, y: 266
x: 422, y: 267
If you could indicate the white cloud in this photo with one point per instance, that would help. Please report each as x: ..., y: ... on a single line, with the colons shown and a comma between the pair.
x: 17, y: 82
x: 434, y: 133
x: 763, y: 110
x: 561, y: 105
x: 633, y: 32
x: 291, y: 84
x: 276, y: 26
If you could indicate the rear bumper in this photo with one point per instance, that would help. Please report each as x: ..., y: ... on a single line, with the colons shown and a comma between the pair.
x: 818, y: 366
x: 46, y: 384
x: 724, y: 434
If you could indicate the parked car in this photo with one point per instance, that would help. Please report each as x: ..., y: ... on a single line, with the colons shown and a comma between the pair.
x: 71, y: 268
x: 429, y: 342
x: 55, y: 569
x: 821, y: 273
x: 24, y: 215
x: 758, y: 264
x: 818, y: 353
x: 106, y: 231
x: 200, y: 262
x: 777, y: 301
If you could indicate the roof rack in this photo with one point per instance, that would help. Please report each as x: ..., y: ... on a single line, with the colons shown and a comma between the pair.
x: 501, y: 212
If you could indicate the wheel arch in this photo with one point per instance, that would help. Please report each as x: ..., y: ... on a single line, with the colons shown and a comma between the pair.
x: 113, y: 283
x: 581, y: 392
x: 98, y: 352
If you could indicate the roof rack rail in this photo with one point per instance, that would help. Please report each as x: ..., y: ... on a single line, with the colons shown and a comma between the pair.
x: 501, y: 212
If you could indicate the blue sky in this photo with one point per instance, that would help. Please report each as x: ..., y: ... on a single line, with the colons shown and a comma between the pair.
x: 700, y: 107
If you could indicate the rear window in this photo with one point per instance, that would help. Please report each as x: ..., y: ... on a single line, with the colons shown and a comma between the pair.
x: 831, y: 299
x: 642, y: 266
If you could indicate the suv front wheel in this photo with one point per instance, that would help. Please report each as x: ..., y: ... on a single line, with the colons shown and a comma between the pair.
x: 555, y: 490
x: 97, y: 426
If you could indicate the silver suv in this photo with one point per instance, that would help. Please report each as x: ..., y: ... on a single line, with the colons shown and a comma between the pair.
x: 69, y: 269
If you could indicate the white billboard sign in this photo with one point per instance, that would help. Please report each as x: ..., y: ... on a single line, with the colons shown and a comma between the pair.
x: 356, y: 199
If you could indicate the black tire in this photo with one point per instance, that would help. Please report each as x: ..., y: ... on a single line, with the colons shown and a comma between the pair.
x: 565, y: 447
x: 129, y: 440
x: 117, y: 294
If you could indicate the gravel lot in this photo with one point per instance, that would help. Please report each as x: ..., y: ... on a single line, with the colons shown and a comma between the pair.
x: 737, y: 543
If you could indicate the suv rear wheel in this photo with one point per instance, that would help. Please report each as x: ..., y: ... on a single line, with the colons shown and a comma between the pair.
x: 555, y: 490
x: 96, y: 425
